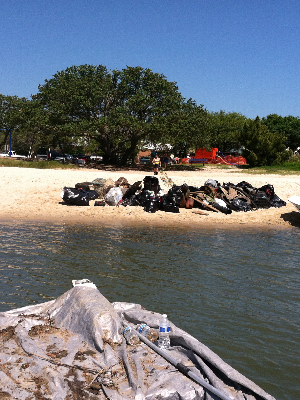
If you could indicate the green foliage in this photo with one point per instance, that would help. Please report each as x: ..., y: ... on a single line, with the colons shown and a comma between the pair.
x: 226, y: 130
x: 10, y: 117
x: 262, y: 147
x: 287, y: 126
x: 189, y: 127
x: 33, y: 131
x: 117, y: 110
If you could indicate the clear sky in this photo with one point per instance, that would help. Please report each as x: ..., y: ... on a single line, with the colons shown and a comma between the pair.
x: 232, y: 55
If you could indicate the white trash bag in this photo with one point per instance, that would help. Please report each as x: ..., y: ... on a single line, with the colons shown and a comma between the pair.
x: 114, y: 196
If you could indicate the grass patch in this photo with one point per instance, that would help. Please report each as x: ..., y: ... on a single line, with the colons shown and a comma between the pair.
x: 287, y: 168
x: 8, y: 162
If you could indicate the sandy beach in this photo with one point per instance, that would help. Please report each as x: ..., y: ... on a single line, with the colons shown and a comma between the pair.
x: 34, y: 195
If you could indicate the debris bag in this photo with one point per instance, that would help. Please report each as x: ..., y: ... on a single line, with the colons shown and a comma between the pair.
x: 212, y: 183
x: 130, y: 201
x: 75, y: 197
x: 143, y: 196
x: 260, y: 199
x: 151, y: 183
x: 73, y: 348
x: 152, y: 204
x: 93, y: 194
x: 168, y: 204
x: 220, y: 205
x: 240, y: 204
x: 114, y: 196
x: 84, y: 186
x: 275, y: 201
x: 176, y: 194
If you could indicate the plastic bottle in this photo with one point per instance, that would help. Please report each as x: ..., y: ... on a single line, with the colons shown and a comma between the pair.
x: 149, y: 333
x: 131, y: 336
x: 164, y: 329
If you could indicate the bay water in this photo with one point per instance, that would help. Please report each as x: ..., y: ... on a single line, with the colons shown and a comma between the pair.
x: 237, y: 291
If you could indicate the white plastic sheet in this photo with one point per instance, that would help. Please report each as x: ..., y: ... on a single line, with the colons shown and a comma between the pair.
x: 73, y: 348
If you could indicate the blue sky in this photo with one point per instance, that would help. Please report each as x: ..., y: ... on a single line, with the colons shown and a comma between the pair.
x: 232, y: 55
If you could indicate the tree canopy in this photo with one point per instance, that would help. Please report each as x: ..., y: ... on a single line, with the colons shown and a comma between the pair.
x: 114, y: 113
x: 262, y: 147
x: 287, y: 126
x: 115, y: 109
x: 226, y: 130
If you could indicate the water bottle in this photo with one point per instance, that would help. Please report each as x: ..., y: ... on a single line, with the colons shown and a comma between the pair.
x: 149, y: 333
x: 164, y: 329
x: 131, y: 336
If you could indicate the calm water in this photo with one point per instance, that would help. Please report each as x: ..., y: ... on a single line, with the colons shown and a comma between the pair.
x: 236, y: 291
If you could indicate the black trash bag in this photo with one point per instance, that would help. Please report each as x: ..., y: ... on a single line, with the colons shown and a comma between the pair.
x: 175, y: 194
x: 240, y: 204
x: 168, y: 204
x: 245, y: 186
x: 260, y: 199
x: 142, y: 197
x: 130, y: 201
x: 224, y: 210
x: 268, y: 189
x: 83, y: 185
x: 152, y: 204
x: 75, y: 197
x: 151, y: 183
x: 92, y: 194
x: 275, y: 201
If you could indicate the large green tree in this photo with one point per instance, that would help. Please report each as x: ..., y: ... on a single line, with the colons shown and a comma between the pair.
x: 262, y: 147
x: 288, y: 126
x: 226, y: 130
x: 9, y: 116
x: 116, y: 109
x: 189, y: 128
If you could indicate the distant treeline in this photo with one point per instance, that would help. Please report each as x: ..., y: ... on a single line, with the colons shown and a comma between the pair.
x: 89, y: 109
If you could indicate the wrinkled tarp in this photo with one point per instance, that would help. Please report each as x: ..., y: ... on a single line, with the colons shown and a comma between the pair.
x: 73, y: 348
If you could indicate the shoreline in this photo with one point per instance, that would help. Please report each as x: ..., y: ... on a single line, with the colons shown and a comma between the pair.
x: 33, y: 195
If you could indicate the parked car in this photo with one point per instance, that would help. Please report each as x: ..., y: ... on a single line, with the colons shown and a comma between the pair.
x: 11, y: 154
x: 64, y: 158
x: 96, y: 158
x: 144, y: 160
x: 41, y: 156
x: 81, y: 159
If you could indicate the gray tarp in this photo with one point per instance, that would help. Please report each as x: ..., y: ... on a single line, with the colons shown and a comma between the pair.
x: 73, y: 348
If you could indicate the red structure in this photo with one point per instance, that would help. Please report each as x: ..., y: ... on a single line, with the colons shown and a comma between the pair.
x: 203, y: 156
x: 209, y: 155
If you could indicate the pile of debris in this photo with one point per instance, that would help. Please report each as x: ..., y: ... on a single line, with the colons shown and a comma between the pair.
x: 148, y: 194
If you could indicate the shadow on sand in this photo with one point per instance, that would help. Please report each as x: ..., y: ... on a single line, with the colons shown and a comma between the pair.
x: 293, y: 218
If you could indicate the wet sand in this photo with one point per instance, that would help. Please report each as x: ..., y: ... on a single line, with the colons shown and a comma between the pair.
x: 34, y: 195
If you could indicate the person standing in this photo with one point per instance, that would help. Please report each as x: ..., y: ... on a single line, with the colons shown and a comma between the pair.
x: 166, y: 160
x: 156, y: 164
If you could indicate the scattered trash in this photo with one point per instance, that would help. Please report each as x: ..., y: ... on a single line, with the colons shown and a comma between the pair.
x: 212, y: 196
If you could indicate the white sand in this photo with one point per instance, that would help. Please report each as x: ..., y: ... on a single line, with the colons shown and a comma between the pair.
x: 34, y: 195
